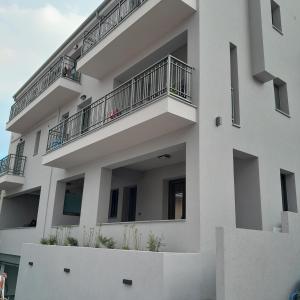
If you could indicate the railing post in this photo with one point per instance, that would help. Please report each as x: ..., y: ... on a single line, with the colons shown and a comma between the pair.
x: 132, y: 93
x: 104, y: 109
x: 119, y: 11
x: 99, y: 30
x: 168, y: 74
x: 48, y: 143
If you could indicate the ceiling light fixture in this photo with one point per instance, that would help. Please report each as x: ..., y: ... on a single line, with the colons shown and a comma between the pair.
x: 164, y: 156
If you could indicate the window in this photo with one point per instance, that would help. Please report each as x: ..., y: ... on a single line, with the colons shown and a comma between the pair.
x: 73, y: 197
x: 235, y: 106
x: 177, y: 199
x: 129, y: 204
x: 37, y: 143
x: 281, y: 96
x: 288, y: 191
x: 113, y: 209
x: 276, y: 16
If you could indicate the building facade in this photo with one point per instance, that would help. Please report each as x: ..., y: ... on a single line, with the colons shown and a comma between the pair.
x: 169, y: 118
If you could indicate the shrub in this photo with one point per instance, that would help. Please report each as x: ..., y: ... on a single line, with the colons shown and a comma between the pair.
x: 154, y: 242
x: 44, y: 241
x: 104, y: 242
x: 70, y: 241
x: 52, y: 240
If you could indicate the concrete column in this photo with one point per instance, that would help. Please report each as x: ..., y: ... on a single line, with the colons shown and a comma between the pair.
x: 90, y: 197
x: 105, y: 188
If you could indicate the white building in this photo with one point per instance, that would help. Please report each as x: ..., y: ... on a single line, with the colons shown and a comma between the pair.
x: 174, y: 117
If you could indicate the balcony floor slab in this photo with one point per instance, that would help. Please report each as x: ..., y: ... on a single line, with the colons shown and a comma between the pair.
x: 153, y: 120
x: 129, y: 37
x: 8, y: 182
x: 58, y: 94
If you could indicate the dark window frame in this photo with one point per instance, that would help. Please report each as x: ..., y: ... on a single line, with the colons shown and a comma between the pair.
x: 171, y: 204
x: 114, y: 204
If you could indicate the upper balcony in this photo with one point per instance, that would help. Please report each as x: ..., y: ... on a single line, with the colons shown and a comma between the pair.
x: 127, y: 29
x: 45, y: 94
x: 12, y: 171
x: 151, y: 104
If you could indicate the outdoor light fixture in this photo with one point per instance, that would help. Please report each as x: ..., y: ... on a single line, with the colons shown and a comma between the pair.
x: 164, y: 156
x: 218, y: 121
x: 66, y: 270
x: 83, y: 97
x: 127, y: 282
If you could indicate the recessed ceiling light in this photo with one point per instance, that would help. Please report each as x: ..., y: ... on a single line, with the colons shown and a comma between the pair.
x: 164, y: 156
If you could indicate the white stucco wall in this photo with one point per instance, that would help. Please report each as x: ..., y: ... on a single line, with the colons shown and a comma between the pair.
x: 98, y: 273
x: 258, y: 265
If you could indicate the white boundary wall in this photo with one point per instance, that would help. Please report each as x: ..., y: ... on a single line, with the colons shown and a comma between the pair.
x: 258, y: 265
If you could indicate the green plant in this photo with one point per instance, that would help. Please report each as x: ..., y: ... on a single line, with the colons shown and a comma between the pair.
x: 52, y: 240
x: 126, y: 237
x: 154, y: 242
x: 88, y: 237
x: 104, y: 242
x: 44, y: 241
x: 62, y: 234
x: 70, y: 241
x: 137, y: 238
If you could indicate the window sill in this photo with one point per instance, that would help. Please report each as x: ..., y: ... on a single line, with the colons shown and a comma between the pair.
x: 143, y: 222
x: 236, y: 125
x: 283, y: 113
x: 277, y: 29
x: 18, y: 228
x: 64, y: 226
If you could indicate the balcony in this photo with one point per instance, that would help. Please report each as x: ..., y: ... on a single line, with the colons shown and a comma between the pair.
x: 45, y: 94
x: 153, y: 103
x: 12, y: 171
x: 125, y: 25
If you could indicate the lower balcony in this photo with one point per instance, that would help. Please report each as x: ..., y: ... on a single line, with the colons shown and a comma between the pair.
x: 12, y: 171
x: 153, y: 103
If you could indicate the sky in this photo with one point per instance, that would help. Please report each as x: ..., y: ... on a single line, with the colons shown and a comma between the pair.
x: 30, y: 32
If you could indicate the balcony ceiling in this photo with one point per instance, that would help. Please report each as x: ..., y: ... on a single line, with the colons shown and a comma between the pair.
x: 139, y: 31
x: 57, y: 95
x: 157, y: 119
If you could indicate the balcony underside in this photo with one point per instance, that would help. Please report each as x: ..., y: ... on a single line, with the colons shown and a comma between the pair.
x: 129, y: 38
x: 8, y: 182
x: 57, y: 95
x: 156, y: 119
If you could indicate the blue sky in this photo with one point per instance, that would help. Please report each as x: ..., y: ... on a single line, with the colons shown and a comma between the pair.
x: 30, y: 32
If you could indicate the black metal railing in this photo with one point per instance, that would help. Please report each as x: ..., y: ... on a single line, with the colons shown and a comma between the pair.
x: 110, y: 21
x: 169, y: 76
x: 12, y: 165
x: 64, y: 67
